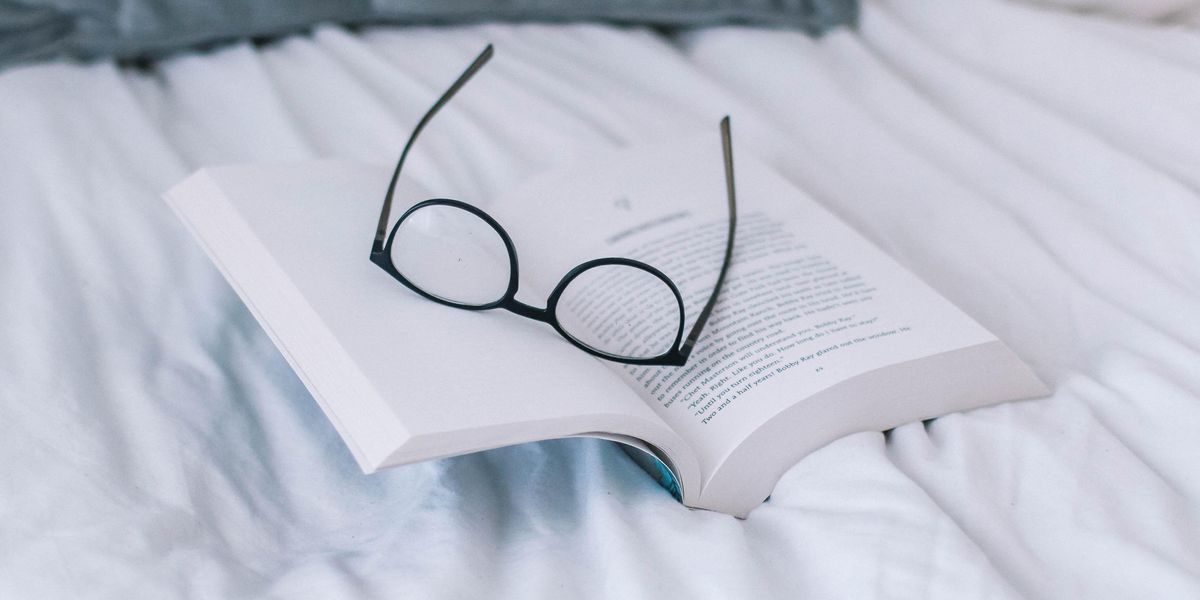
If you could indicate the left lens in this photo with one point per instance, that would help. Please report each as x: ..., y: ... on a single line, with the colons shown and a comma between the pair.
x: 620, y: 310
x: 453, y: 254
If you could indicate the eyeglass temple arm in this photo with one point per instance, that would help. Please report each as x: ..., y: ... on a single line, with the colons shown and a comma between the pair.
x: 731, y: 195
x: 381, y: 229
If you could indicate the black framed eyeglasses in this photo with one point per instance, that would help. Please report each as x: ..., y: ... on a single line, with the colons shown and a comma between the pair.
x: 618, y: 309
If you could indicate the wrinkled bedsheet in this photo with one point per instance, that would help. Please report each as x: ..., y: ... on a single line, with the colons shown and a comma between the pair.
x: 1039, y: 168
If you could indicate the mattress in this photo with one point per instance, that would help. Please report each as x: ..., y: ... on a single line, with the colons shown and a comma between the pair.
x: 1039, y: 168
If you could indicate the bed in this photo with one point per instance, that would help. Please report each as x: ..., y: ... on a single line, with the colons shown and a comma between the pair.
x: 1039, y: 167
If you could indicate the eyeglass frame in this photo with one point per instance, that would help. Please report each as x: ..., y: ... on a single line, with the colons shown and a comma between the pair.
x: 678, y: 354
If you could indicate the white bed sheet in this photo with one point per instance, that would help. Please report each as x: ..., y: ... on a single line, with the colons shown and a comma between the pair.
x: 1040, y: 169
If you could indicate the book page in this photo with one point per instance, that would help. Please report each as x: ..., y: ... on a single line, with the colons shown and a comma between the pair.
x: 807, y: 302
x: 405, y: 378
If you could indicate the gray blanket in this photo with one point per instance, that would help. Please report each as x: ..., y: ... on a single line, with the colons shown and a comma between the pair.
x: 131, y: 29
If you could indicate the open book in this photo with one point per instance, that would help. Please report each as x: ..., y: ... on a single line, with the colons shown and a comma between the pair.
x: 816, y: 334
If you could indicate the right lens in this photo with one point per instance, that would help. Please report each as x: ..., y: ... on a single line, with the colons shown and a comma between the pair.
x: 452, y: 254
x: 620, y: 310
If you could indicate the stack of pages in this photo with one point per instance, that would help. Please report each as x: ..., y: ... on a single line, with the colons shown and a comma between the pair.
x: 816, y: 334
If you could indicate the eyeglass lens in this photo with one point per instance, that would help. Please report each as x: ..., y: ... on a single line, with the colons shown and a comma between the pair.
x: 452, y: 254
x: 621, y: 311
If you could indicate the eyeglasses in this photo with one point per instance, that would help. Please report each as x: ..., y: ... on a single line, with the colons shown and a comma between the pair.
x: 617, y: 309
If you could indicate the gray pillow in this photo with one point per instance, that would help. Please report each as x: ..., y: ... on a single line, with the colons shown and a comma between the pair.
x: 40, y: 29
